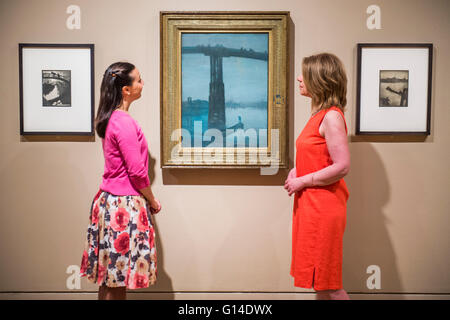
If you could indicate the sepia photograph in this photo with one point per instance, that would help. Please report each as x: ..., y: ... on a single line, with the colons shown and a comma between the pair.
x: 56, y: 81
x: 394, y: 88
x: 56, y: 88
x: 402, y: 74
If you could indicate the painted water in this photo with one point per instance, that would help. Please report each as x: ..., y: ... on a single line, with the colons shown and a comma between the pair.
x: 224, y: 83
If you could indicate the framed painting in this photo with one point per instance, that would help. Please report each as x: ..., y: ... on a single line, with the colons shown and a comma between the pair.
x: 394, y: 89
x: 224, y: 89
x: 56, y: 89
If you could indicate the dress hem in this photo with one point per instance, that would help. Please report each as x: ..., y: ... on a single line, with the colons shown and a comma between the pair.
x: 303, y: 284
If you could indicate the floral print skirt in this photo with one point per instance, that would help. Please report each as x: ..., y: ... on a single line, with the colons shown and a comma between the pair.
x: 119, y: 249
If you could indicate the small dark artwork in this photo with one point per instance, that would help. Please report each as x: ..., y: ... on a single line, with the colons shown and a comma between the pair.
x: 394, y: 88
x: 56, y: 88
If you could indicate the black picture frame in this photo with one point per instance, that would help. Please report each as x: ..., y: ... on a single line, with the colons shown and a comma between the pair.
x: 56, y: 46
x: 360, y: 47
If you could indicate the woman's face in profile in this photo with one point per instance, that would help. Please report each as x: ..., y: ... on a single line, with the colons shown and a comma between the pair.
x: 302, y: 87
x: 137, y: 85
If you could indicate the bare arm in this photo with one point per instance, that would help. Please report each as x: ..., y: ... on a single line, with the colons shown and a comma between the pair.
x: 147, y: 193
x: 155, y: 205
x: 336, y: 139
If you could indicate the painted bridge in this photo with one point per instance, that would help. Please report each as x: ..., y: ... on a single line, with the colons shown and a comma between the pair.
x: 216, y: 114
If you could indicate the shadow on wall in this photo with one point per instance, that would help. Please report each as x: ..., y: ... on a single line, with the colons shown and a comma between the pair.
x: 366, y: 240
x: 292, y: 92
x: 237, y: 177
x: 163, y: 285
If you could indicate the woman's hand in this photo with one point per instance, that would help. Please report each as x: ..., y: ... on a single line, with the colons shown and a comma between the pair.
x: 155, y: 206
x: 294, y: 185
x: 292, y: 174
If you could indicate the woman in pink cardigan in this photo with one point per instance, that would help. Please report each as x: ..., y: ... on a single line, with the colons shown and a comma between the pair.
x: 119, y: 250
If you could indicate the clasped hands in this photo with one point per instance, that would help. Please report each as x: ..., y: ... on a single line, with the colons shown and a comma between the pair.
x: 294, y: 183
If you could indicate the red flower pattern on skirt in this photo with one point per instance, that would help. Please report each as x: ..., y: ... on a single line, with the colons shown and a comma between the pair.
x: 101, y: 273
x: 122, y: 243
x: 84, y: 260
x: 123, y: 236
x: 95, y: 214
x: 143, y: 220
x: 140, y: 280
x: 119, y: 219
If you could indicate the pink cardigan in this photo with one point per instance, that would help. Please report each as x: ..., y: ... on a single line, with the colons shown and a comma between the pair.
x: 126, y: 156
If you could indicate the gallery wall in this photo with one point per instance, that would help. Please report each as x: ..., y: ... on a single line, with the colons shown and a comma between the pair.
x: 227, y: 230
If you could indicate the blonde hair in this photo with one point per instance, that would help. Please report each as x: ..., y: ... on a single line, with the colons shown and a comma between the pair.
x: 325, y: 80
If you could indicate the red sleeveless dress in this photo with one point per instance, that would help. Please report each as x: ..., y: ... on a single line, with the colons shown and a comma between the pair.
x: 319, y: 215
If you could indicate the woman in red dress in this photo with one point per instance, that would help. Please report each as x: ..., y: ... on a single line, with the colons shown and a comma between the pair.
x: 322, y: 160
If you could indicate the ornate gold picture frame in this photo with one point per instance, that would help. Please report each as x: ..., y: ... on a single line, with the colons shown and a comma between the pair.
x: 224, y: 89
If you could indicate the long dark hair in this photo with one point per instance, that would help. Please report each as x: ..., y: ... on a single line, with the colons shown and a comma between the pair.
x: 116, y: 76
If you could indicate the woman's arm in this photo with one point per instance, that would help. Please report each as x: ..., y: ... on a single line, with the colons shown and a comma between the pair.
x: 336, y: 139
x: 154, y: 203
x: 147, y: 193
x: 126, y: 136
x: 127, y: 141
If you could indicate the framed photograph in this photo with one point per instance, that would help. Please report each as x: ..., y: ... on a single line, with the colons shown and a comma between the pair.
x: 56, y: 89
x: 394, y: 88
x: 224, y: 89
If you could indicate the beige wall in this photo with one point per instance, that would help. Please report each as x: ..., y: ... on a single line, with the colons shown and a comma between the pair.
x: 226, y: 231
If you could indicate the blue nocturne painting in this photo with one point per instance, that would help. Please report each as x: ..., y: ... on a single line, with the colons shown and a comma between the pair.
x: 224, y: 85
